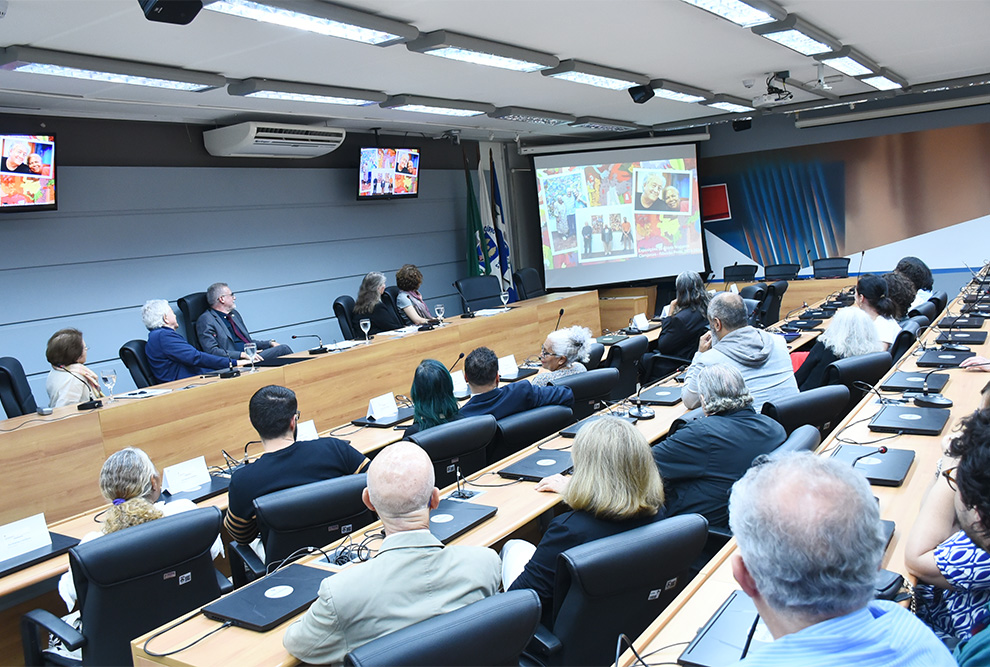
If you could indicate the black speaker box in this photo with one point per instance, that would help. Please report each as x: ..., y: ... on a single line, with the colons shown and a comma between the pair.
x: 179, y: 12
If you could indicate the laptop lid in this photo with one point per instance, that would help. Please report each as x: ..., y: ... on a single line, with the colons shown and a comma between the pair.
x: 523, y: 372
x: 914, y: 381
x: 802, y: 324
x: 888, y: 469
x: 572, y: 430
x: 611, y: 339
x: 385, y: 422
x: 663, y: 395
x: 270, y: 601
x: 964, y: 337
x: 818, y: 314
x: 909, y: 420
x: 60, y: 544
x: 453, y: 518
x: 217, y: 485
x: 538, y: 465
x: 943, y: 358
x: 961, y: 323
x: 722, y: 639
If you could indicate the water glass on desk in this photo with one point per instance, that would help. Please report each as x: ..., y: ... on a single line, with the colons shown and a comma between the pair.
x: 365, y: 327
x: 505, y: 298
x: 250, y: 350
x: 440, y: 311
x: 109, y: 377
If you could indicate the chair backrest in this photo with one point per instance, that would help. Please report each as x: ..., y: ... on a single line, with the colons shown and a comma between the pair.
x: 522, y: 429
x: 15, y: 392
x: 489, y: 633
x: 620, y: 584
x: 739, y: 273
x: 595, y: 356
x: 781, y: 271
x: 928, y: 309
x: 134, y: 580
x: 343, y: 309
x: 311, y: 515
x: 821, y: 407
x: 590, y: 389
x: 770, y: 308
x: 132, y: 354
x: 904, y: 340
x: 940, y: 299
x: 831, y: 267
x: 479, y: 292
x: 390, y: 297
x: 528, y: 283
x: 804, y: 439
x: 922, y: 322
x: 459, y: 444
x: 752, y: 312
x: 868, y: 368
x: 755, y: 292
x: 192, y: 306
x: 625, y: 355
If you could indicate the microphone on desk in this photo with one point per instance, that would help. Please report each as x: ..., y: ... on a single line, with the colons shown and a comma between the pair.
x: 231, y: 372
x: 315, y: 350
x: 456, y: 361
x: 862, y: 256
x: 933, y: 400
x: 559, y: 315
x: 638, y: 411
x: 879, y: 450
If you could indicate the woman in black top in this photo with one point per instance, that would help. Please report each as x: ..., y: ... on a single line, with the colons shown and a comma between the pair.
x: 686, y: 323
x: 850, y: 334
x: 369, y: 305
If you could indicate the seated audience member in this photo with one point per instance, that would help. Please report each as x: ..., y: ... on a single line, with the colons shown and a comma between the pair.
x: 946, y: 549
x: 69, y: 382
x: 760, y: 357
x: 809, y: 544
x: 369, y: 306
x: 901, y: 292
x: 412, y: 307
x: 168, y: 353
x: 412, y: 578
x: 562, y: 354
x: 849, y: 334
x: 487, y: 398
x: 872, y: 298
x: 680, y: 331
x: 700, y: 461
x: 614, y: 488
x: 286, y: 463
x: 221, y: 329
x: 432, y: 395
x: 920, y: 276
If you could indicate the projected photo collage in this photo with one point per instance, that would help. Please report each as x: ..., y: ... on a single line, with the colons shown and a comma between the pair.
x: 27, y: 170
x: 388, y: 171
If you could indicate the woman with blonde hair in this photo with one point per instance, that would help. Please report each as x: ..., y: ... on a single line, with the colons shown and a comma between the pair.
x: 615, y: 487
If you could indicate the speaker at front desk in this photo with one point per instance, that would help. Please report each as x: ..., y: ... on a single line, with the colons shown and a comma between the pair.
x: 179, y: 12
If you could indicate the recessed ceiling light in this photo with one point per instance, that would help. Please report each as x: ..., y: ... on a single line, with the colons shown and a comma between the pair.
x: 303, y: 92
x: 729, y: 104
x: 678, y: 92
x: 884, y: 81
x: 798, y: 35
x: 532, y: 116
x: 747, y: 14
x: 481, y: 51
x: 604, y: 124
x: 435, y: 105
x: 849, y: 61
x: 595, y: 75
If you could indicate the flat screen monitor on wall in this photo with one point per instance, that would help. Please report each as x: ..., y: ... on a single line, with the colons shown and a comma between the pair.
x: 389, y: 173
x: 27, y: 172
x: 619, y: 215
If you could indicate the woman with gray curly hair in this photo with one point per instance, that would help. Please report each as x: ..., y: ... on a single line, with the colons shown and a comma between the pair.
x: 700, y: 461
x: 562, y: 354
x: 850, y: 334
x: 170, y: 356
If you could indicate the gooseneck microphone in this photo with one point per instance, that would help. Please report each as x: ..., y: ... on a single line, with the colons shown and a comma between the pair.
x: 559, y: 315
x: 862, y: 256
x: 879, y: 450
x: 638, y: 411
x: 231, y: 372
x: 315, y: 350
x: 456, y: 361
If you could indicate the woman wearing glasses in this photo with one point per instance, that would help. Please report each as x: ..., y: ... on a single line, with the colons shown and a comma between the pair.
x: 562, y: 354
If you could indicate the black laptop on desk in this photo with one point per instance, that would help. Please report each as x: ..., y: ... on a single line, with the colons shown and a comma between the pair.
x: 663, y: 395
x: 961, y: 323
x: 611, y: 339
x: 803, y: 325
x: 722, y: 639
x: 572, y: 430
x: 943, y: 359
x: 387, y: 421
x: 538, y: 465
x: 888, y: 469
x: 908, y: 381
x: 453, y: 518
x: 268, y: 602
x: 909, y: 420
x: 963, y: 337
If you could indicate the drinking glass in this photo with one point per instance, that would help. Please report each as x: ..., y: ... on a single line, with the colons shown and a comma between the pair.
x: 439, y: 309
x: 109, y: 377
x: 250, y: 350
x: 365, y: 327
x: 505, y: 298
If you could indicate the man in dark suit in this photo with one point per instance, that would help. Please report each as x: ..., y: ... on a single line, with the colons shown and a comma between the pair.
x: 487, y: 398
x: 221, y: 330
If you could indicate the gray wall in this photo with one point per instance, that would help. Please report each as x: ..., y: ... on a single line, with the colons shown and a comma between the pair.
x: 288, y: 241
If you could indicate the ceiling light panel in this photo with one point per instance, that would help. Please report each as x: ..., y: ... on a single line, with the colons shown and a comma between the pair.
x: 604, y: 124
x: 882, y: 82
x: 531, y: 116
x: 678, y: 92
x: 438, y: 106
x: 798, y: 35
x: 595, y: 75
x: 729, y: 104
x: 745, y: 14
x: 302, y: 92
x: 481, y: 51
x: 849, y: 61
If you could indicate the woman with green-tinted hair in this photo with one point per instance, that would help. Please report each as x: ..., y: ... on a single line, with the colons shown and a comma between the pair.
x: 432, y: 395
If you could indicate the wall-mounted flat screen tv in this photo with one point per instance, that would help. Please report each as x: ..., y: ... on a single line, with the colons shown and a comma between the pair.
x: 389, y: 173
x: 27, y: 172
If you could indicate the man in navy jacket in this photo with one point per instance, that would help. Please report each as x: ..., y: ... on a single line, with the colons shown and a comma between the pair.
x: 487, y: 398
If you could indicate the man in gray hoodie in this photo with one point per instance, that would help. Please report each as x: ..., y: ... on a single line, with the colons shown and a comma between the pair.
x: 760, y: 357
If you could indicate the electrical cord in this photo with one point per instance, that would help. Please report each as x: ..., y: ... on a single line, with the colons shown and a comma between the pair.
x: 336, y: 431
x: 473, y: 483
x: 145, y: 648
x: 8, y: 430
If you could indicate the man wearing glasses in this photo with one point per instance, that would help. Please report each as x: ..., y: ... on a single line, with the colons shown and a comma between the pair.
x: 221, y: 329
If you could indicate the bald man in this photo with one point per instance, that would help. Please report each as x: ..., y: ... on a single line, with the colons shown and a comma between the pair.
x: 412, y: 578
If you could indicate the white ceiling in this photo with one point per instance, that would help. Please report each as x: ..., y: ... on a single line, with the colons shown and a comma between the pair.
x: 923, y: 41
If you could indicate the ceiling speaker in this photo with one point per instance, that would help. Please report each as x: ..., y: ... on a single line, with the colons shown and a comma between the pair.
x: 179, y: 12
x: 641, y: 94
x: 742, y: 124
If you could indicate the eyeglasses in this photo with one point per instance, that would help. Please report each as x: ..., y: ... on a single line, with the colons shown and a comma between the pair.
x: 950, y: 477
x: 544, y: 353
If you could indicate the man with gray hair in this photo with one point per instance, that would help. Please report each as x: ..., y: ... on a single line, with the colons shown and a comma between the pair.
x: 760, y: 357
x: 700, y: 461
x: 810, y: 543
x: 413, y: 577
x: 221, y: 330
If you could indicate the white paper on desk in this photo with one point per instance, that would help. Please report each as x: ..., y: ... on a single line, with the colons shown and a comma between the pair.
x: 306, y: 431
x: 382, y: 406
x: 24, y: 535
x: 186, y: 476
x: 734, y: 288
x: 143, y: 393
x: 666, y: 310
x: 507, y: 366
x: 488, y: 312
x: 342, y: 345
x: 640, y: 322
x: 460, y: 384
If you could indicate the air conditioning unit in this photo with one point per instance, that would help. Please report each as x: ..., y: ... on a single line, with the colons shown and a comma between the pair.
x: 255, y: 139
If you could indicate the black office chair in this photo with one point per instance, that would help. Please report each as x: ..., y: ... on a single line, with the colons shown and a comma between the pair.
x: 752, y: 312
x: 739, y: 273
x: 868, y: 368
x: 821, y: 407
x: 528, y: 283
x: 940, y: 299
x: 390, y: 297
x: 15, y: 392
x: 590, y: 389
x: 616, y: 585
x: 462, y: 444
x: 128, y: 583
x: 343, y: 309
x: 479, y: 292
x: 492, y: 632
x: 774, y: 272
x: 595, y: 356
x: 654, y: 366
x: 625, y: 355
x: 921, y: 321
x: 831, y: 267
x: 803, y: 439
x: 522, y: 429
x: 132, y: 354
x: 906, y: 337
x: 311, y: 515
x: 755, y: 292
x: 192, y: 306
x: 927, y: 309
x: 770, y: 307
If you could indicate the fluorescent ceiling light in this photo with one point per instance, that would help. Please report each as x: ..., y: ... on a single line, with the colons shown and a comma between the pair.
x: 481, y: 51
x: 747, y: 14
x: 798, y: 35
x: 849, y: 61
x: 533, y: 116
x: 321, y: 18
x: 730, y: 104
x: 604, y: 124
x: 678, y: 92
x: 105, y: 70
x: 595, y: 75
x: 884, y: 80
x: 435, y: 105
x: 303, y: 92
